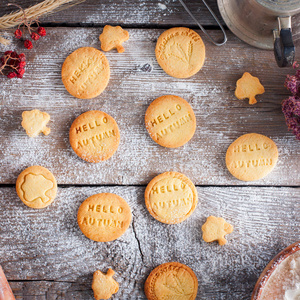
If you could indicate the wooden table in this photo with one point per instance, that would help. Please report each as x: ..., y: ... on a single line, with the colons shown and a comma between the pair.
x: 43, y: 252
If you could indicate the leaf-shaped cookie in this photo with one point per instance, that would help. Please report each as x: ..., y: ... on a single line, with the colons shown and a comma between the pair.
x: 104, y: 286
x: 214, y: 229
x: 34, y: 122
x: 113, y: 37
x: 248, y: 87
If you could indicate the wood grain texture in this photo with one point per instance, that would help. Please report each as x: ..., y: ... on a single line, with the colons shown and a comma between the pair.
x: 136, y: 80
x: 49, y: 257
x: 127, y: 12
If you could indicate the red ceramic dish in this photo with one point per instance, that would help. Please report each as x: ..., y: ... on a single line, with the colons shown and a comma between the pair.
x: 271, y: 267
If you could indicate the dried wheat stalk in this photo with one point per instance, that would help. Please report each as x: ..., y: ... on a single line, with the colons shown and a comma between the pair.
x: 34, y: 12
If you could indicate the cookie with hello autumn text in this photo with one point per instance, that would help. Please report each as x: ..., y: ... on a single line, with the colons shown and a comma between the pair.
x: 170, y: 121
x: 103, y: 285
x: 251, y: 157
x: 248, y: 87
x: 214, y: 229
x: 112, y: 37
x: 85, y: 73
x: 34, y: 122
x: 36, y: 187
x: 94, y: 136
x: 104, y: 217
x: 171, y: 197
x: 171, y: 280
x: 180, y: 52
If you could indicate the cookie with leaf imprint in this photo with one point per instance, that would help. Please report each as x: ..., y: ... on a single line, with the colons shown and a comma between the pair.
x: 180, y: 52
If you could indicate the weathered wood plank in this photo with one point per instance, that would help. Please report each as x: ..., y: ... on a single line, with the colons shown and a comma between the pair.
x: 47, y: 245
x: 138, y: 13
x: 221, y: 118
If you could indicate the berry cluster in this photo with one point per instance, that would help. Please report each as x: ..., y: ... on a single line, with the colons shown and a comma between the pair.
x: 26, y: 24
x: 291, y: 106
x: 12, y: 64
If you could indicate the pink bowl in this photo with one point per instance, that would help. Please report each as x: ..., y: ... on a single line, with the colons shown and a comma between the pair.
x: 271, y: 267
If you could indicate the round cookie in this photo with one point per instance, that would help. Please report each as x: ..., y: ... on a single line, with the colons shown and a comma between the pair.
x: 36, y: 186
x: 171, y: 280
x: 170, y: 121
x: 180, y: 52
x: 94, y: 136
x: 251, y: 157
x: 85, y: 73
x: 104, y: 217
x: 171, y: 197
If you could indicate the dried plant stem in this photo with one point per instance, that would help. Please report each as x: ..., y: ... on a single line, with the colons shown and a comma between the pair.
x: 34, y: 12
x: 4, y: 41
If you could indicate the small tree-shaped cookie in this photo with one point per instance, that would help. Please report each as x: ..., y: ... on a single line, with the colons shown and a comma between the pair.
x: 104, y: 286
x: 35, y: 122
x: 248, y: 87
x: 214, y: 229
x: 113, y: 37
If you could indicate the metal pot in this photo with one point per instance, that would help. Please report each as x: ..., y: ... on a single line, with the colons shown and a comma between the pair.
x: 265, y: 24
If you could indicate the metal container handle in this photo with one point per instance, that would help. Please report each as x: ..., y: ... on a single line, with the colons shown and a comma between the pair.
x: 201, y: 27
x: 284, y: 48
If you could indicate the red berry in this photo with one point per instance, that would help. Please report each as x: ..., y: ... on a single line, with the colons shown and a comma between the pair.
x: 14, y: 54
x: 11, y: 74
x: 22, y: 57
x: 34, y: 36
x: 28, y: 44
x: 7, y: 52
x: 41, y: 31
x: 22, y: 64
x: 21, y: 72
x: 18, y: 34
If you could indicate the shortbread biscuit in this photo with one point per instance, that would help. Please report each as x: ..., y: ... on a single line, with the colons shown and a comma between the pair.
x: 214, y: 229
x: 180, y: 52
x: 94, y: 136
x: 170, y: 121
x: 248, y: 87
x: 36, y: 186
x: 104, y: 286
x: 113, y: 37
x: 85, y: 73
x: 171, y: 197
x: 104, y: 217
x: 35, y: 122
x: 171, y: 280
x: 251, y: 157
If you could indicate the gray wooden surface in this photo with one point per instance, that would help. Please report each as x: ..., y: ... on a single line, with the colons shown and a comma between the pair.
x: 44, y: 254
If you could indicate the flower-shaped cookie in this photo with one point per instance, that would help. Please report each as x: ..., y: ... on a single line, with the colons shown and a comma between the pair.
x: 113, y: 37
x: 104, y: 286
x: 214, y: 229
x: 248, y: 87
x: 34, y: 122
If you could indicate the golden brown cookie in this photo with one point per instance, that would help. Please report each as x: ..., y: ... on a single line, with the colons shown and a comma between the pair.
x: 94, y: 136
x: 248, y: 87
x: 251, y: 157
x: 85, y: 73
x: 35, y: 122
x: 36, y: 186
x: 214, y: 229
x: 113, y: 37
x: 170, y: 121
x: 171, y: 281
x: 104, y: 217
x: 104, y: 286
x: 171, y: 197
x: 180, y: 52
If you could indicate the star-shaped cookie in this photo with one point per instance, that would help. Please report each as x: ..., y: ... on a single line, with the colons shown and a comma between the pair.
x: 104, y: 286
x: 214, y: 229
x: 248, y: 87
x: 34, y: 122
x: 113, y: 37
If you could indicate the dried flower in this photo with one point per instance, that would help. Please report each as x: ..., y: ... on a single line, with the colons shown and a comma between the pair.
x: 291, y: 106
